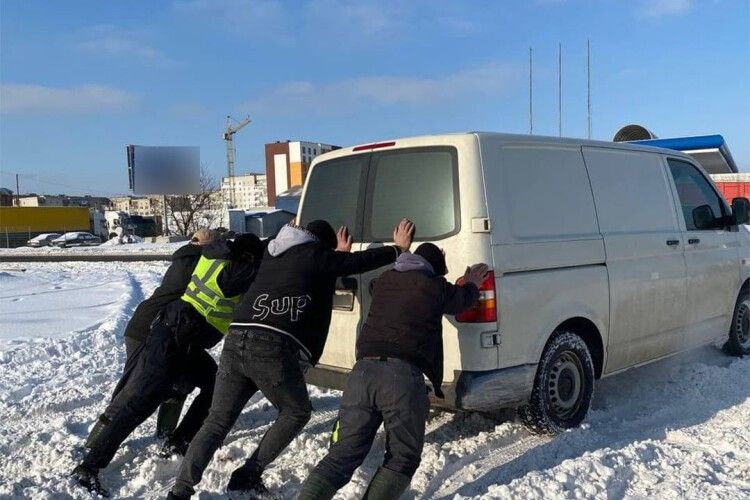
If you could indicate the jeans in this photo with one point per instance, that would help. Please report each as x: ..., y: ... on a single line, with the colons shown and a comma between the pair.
x: 252, y: 359
x: 392, y: 392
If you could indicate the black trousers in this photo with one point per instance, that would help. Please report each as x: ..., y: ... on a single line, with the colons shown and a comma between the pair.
x: 133, y: 349
x: 252, y: 359
x: 391, y: 392
x: 161, y: 371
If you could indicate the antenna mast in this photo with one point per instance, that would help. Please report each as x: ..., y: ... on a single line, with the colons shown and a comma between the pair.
x: 588, y: 79
x: 229, y: 138
x: 531, y: 96
x: 559, y: 88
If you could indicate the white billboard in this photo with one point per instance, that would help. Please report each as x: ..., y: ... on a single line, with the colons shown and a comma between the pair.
x: 164, y: 169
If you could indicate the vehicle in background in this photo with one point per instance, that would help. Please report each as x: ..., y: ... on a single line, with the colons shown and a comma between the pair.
x: 604, y: 256
x: 42, y: 240
x: 76, y: 238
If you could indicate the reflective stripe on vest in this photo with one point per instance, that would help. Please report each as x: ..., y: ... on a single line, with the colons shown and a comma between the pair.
x: 205, y: 295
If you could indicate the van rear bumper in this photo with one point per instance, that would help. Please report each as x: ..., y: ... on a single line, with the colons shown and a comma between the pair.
x: 495, y: 389
x: 473, y: 391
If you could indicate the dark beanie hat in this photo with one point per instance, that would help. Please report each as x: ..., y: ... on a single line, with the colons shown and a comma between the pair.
x: 434, y: 256
x: 324, y: 232
x: 247, y: 243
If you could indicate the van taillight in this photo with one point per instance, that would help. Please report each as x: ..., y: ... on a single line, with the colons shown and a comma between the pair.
x: 485, y: 310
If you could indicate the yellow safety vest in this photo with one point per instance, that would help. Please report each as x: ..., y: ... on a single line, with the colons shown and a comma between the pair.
x: 205, y: 295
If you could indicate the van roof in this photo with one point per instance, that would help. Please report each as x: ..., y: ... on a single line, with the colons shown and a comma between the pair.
x: 539, y: 139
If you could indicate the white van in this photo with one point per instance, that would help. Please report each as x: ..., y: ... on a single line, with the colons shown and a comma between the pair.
x: 605, y: 256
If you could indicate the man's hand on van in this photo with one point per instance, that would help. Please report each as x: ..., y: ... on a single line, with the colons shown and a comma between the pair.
x: 403, y: 234
x: 476, y: 274
x: 344, y: 240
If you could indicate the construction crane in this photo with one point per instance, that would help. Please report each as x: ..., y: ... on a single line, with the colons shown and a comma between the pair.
x: 232, y: 128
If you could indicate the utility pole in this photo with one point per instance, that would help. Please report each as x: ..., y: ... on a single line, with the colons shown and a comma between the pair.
x: 531, y: 96
x: 588, y: 81
x: 18, y: 193
x: 559, y: 88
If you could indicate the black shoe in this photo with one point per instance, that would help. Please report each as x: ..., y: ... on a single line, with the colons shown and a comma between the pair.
x: 247, y: 480
x: 89, y: 479
x: 173, y: 446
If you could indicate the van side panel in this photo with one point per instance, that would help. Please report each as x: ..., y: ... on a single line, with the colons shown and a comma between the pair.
x: 545, y: 243
x: 645, y: 260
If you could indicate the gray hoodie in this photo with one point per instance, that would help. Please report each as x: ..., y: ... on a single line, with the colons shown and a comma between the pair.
x: 412, y: 262
x: 289, y: 236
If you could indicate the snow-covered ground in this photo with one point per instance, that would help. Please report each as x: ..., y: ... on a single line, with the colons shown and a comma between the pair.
x: 675, y: 429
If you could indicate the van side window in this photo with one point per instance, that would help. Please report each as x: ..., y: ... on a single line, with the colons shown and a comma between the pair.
x: 418, y: 183
x: 694, y: 190
x: 334, y: 193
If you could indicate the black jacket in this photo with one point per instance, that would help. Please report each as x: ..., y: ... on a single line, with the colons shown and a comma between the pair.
x: 293, y: 291
x: 405, y: 319
x: 172, y: 287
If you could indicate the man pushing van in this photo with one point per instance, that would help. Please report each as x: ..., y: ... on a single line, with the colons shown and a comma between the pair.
x: 401, y: 343
x: 284, y: 315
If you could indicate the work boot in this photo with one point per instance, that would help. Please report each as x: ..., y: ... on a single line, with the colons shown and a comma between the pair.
x: 316, y: 487
x: 247, y: 479
x: 96, y: 432
x: 168, y: 416
x: 386, y: 485
x: 89, y: 479
x: 173, y: 445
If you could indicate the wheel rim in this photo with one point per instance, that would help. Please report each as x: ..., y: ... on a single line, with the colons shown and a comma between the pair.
x: 742, y: 324
x: 565, y: 384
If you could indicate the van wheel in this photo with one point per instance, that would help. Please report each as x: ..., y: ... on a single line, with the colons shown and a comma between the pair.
x: 739, y: 333
x: 563, y: 387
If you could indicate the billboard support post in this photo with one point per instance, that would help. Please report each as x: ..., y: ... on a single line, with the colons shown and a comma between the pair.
x: 165, y: 224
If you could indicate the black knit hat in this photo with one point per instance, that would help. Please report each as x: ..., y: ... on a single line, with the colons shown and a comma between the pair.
x: 246, y: 243
x: 432, y: 254
x: 324, y: 232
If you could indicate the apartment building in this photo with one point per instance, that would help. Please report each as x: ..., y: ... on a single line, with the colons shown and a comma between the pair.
x: 249, y: 190
x: 287, y: 164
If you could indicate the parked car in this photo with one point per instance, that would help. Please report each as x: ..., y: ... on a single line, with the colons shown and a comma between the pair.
x: 76, y: 238
x: 42, y: 240
x: 604, y: 256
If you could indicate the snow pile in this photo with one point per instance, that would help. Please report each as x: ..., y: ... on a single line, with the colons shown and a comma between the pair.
x: 674, y: 429
x: 123, y: 240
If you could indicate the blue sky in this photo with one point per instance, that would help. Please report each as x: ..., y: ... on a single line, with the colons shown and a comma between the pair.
x: 81, y: 79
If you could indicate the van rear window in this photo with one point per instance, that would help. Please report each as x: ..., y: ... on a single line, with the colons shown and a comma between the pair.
x: 334, y: 192
x: 418, y: 183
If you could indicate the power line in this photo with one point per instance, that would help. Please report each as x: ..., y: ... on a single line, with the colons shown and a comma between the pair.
x: 35, y: 178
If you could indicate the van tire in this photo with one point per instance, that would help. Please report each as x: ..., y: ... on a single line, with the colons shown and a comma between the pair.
x: 568, y: 355
x: 739, y: 331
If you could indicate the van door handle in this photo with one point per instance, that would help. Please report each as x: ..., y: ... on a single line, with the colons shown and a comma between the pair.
x: 694, y: 241
x: 672, y: 243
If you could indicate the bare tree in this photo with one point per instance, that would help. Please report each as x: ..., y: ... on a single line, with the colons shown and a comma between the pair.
x: 203, y: 209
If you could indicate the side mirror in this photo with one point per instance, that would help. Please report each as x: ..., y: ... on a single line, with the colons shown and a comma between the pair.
x: 703, y: 217
x: 741, y: 210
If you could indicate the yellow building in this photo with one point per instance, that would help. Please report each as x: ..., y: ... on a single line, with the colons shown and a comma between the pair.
x: 19, y: 224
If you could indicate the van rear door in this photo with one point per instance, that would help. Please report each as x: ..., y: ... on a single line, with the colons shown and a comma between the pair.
x: 418, y: 183
x: 335, y: 193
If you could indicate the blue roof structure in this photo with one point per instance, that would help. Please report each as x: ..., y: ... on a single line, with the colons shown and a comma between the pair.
x: 710, y: 150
